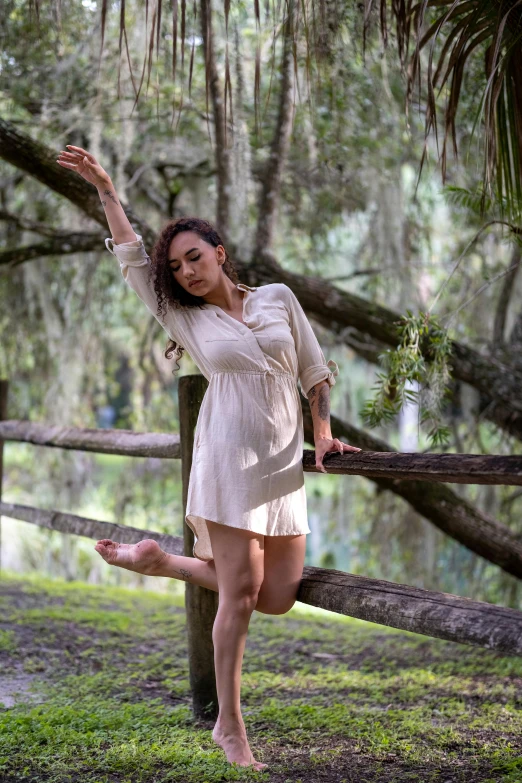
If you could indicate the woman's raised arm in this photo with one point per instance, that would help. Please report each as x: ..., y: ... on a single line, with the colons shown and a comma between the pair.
x: 125, y: 244
x: 86, y: 165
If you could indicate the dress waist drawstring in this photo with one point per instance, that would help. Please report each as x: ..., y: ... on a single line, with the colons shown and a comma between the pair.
x: 276, y: 376
x: 271, y: 372
x: 278, y: 385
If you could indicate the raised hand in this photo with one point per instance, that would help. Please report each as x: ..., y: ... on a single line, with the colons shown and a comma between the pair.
x: 84, y: 164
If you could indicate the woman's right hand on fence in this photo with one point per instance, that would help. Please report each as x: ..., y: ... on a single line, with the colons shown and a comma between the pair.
x: 84, y: 164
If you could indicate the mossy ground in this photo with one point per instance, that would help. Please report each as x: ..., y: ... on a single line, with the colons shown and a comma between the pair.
x: 104, y: 696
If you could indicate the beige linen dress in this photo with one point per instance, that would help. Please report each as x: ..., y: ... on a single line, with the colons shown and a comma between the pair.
x: 247, y: 460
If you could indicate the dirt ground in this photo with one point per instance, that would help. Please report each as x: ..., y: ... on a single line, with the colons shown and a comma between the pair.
x: 94, y: 687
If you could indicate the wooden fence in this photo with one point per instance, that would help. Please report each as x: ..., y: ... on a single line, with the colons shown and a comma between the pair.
x: 400, y: 606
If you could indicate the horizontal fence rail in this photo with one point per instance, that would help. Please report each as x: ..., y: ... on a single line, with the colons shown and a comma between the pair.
x: 127, y: 443
x: 444, y: 468
x: 414, y: 609
x: 89, y: 528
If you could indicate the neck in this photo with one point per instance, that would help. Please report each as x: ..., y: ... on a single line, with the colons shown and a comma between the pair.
x: 225, y: 295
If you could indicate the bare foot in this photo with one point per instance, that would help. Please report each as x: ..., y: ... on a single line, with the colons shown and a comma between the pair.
x: 143, y: 557
x: 233, y: 739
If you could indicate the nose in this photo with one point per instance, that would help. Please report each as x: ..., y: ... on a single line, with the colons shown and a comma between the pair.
x: 187, y: 271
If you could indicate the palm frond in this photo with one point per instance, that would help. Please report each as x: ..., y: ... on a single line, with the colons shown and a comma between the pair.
x: 468, y: 27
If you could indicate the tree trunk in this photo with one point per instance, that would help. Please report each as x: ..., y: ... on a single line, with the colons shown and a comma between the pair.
x: 223, y: 144
x: 270, y: 194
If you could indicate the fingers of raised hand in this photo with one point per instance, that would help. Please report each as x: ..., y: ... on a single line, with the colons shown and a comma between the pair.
x: 75, y: 162
x: 72, y: 156
x: 66, y: 165
x: 81, y: 152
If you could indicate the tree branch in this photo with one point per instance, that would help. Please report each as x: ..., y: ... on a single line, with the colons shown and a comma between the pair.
x: 60, y: 245
x: 39, y: 161
x: 498, y: 383
x: 271, y: 180
x: 25, y: 224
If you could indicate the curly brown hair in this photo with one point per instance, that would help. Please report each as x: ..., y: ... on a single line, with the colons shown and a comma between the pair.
x: 168, y: 291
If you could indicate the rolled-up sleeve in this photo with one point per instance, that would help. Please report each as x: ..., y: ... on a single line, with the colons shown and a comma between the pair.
x: 312, y: 365
x: 134, y: 266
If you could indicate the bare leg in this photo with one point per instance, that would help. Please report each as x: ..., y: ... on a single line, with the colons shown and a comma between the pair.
x: 283, y: 567
x: 148, y: 558
x: 239, y: 559
x: 258, y: 572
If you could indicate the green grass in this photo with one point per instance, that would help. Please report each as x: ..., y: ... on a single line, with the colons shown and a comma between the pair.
x: 325, y: 698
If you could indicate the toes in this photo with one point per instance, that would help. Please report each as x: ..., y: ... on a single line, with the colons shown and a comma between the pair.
x: 105, y: 547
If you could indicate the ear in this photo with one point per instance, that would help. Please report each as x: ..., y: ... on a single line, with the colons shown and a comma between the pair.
x: 220, y: 254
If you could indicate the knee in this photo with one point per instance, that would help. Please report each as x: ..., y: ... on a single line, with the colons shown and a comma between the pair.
x: 242, y: 600
x: 274, y: 607
x: 283, y: 609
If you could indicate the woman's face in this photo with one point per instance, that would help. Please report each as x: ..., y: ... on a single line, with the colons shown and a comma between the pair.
x: 195, y: 264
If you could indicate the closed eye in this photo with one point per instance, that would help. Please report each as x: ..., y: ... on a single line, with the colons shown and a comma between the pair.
x: 176, y: 269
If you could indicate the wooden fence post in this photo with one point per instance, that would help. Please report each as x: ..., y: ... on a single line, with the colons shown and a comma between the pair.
x: 201, y: 604
x: 3, y: 416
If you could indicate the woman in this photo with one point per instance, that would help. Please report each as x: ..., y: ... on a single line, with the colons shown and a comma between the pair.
x: 246, y: 500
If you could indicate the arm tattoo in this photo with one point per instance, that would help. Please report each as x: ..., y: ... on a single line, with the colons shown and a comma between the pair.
x: 323, y: 403
x: 110, y: 195
x: 104, y: 203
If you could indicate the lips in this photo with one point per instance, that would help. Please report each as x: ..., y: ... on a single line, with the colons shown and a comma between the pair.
x: 195, y: 282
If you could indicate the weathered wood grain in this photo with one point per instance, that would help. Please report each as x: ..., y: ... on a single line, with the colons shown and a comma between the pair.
x: 90, y: 528
x: 201, y: 604
x: 427, y: 612
x: 125, y: 442
x: 4, y: 387
x: 443, y: 615
x: 448, y: 468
